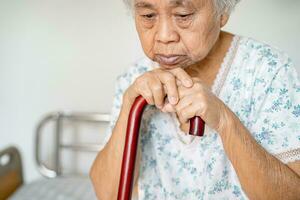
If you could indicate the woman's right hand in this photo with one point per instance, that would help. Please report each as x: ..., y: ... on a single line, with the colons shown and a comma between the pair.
x: 155, y: 85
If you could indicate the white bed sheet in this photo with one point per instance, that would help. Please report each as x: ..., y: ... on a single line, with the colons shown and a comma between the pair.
x: 62, y: 188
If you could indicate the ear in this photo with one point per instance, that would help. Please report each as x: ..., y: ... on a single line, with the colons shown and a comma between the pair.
x: 224, y: 19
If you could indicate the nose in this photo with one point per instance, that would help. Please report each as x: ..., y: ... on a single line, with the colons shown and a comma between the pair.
x: 166, y: 32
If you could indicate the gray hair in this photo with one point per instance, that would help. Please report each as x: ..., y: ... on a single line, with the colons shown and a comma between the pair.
x: 222, y: 6
x: 225, y: 6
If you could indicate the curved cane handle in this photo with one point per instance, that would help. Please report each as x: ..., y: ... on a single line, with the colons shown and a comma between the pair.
x: 131, y: 141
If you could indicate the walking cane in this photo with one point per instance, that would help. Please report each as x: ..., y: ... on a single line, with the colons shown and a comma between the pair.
x: 131, y: 142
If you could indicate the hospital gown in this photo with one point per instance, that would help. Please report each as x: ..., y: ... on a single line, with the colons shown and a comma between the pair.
x: 259, y: 84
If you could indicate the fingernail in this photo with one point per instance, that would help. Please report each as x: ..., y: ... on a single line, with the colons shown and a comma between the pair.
x: 188, y: 82
x: 173, y: 100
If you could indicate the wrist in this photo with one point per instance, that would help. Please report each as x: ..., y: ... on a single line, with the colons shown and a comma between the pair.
x: 127, y: 101
x: 227, y: 123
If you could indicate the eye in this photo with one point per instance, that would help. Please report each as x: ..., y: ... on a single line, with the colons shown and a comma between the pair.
x: 149, y: 16
x: 184, y: 16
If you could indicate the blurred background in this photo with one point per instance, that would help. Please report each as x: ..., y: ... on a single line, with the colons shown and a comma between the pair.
x: 64, y: 55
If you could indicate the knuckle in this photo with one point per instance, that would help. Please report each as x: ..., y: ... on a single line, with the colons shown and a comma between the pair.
x: 147, y: 95
x: 157, y: 88
x: 182, y: 74
x: 184, y: 115
x: 198, y: 86
x: 136, y: 89
x: 158, y: 70
x: 178, y: 109
x: 139, y: 80
x: 182, y: 120
x: 196, y: 79
x: 169, y: 77
x: 177, y: 70
x: 181, y: 115
x: 203, y: 107
x: 135, y: 85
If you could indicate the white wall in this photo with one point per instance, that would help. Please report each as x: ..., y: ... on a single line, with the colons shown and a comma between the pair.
x: 65, y: 55
x: 275, y: 22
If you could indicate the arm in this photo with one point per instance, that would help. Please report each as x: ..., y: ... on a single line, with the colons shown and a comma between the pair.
x: 105, y: 172
x: 107, y: 165
x: 262, y: 176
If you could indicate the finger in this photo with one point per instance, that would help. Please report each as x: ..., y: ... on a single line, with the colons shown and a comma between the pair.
x: 196, y: 79
x: 183, y: 103
x: 183, y: 76
x: 146, y: 92
x: 178, y: 82
x: 157, y: 92
x: 187, y: 113
x: 169, y: 82
x: 197, y: 88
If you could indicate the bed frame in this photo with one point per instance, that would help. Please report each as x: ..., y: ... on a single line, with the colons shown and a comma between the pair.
x: 58, y: 118
x: 11, y: 174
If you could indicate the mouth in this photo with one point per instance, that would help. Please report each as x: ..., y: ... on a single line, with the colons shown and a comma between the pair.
x: 168, y: 60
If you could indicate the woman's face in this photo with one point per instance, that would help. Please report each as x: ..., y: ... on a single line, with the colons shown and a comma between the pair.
x: 176, y: 33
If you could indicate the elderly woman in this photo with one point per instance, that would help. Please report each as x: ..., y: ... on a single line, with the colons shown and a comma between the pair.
x: 247, y: 92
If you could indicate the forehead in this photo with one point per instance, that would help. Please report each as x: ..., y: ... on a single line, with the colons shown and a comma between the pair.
x: 171, y: 3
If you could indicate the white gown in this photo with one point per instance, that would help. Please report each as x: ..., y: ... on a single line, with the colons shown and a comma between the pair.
x: 259, y: 84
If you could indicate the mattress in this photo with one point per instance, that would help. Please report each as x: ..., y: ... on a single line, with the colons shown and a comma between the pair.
x: 61, y: 188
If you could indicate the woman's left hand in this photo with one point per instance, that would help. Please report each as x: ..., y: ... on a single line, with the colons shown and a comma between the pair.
x: 198, y: 100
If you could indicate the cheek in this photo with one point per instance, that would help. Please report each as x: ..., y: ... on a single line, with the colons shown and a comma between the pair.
x: 146, y: 39
x: 196, y: 45
x: 201, y: 39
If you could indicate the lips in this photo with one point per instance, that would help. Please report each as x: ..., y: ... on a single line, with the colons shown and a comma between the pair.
x: 168, y: 59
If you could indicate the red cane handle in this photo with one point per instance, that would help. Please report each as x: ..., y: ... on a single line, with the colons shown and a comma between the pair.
x: 131, y: 142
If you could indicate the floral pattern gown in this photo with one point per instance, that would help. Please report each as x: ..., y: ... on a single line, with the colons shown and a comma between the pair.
x: 259, y: 84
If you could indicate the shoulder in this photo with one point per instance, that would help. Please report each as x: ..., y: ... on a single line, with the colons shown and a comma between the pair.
x: 261, y: 54
x: 262, y: 61
x: 258, y: 69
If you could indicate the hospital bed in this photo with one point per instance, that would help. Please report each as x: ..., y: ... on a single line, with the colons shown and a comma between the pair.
x: 128, y: 160
x: 57, y: 184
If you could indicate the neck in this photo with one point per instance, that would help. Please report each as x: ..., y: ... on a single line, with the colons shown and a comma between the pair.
x: 208, y: 68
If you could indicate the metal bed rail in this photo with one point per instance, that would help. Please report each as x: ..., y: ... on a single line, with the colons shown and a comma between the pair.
x: 58, y: 118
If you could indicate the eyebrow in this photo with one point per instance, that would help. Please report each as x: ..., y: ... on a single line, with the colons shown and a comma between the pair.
x: 143, y: 4
x: 173, y: 3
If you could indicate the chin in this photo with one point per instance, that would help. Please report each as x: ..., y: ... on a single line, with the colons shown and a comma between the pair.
x: 168, y: 67
x: 182, y: 65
